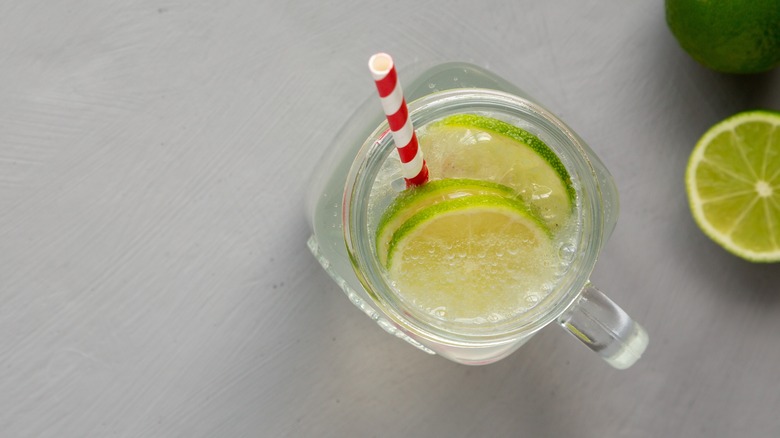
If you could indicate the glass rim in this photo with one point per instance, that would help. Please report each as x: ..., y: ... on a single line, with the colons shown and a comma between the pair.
x: 361, y: 177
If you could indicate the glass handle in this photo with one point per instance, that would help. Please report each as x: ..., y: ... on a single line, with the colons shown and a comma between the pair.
x: 605, y: 328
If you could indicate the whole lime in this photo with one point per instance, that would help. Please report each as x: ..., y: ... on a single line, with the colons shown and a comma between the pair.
x: 730, y: 36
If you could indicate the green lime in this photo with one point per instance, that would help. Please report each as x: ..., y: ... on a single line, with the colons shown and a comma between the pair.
x: 483, y: 148
x: 731, y: 36
x: 733, y: 184
x: 475, y: 258
x: 414, y: 199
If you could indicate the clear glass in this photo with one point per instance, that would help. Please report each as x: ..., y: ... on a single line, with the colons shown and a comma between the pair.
x: 342, y: 224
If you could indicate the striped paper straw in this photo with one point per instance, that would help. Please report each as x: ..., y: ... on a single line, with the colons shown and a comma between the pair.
x: 413, y: 166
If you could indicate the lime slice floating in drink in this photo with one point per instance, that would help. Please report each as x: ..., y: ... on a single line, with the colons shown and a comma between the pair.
x: 477, y: 147
x: 415, y: 199
x: 733, y: 184
x: 479, y: 258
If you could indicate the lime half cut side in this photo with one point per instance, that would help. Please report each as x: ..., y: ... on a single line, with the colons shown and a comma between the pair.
x: 477, y: 259
x: 733, y: 185
x: 488, y: 149
x: 414, y: 199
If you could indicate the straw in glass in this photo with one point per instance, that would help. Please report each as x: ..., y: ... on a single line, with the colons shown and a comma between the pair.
x: 413, y: 166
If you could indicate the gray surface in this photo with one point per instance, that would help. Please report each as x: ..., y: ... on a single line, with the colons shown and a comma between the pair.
x: 154, y: 278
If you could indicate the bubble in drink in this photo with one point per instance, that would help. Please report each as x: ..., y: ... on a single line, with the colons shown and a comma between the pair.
x: 567, y: 251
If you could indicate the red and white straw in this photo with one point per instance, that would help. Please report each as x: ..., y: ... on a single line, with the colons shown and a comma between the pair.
x: 413, y: 166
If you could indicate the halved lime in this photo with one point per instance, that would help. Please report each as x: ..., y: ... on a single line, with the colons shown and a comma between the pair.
x: 733, y: 184
x: 480, y: 258
x: 477, y: 147
x: 414, y: 199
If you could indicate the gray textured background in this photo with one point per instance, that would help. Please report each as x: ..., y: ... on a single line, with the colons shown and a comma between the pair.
x: 154, y: 278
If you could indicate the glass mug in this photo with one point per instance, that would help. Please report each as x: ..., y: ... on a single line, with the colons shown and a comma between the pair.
x: 342, y: 234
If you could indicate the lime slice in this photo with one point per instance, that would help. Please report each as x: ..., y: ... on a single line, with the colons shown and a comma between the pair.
x: 412, y: 200
x: 480, y: 258
x: 477, y: 147
x: 733, y: 184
